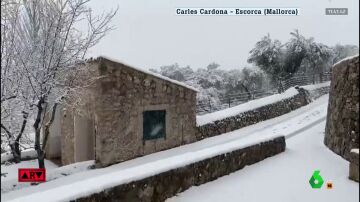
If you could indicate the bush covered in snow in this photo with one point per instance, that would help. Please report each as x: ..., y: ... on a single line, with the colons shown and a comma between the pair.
x: 276, y: 67
x: 299, y: 54
x: 214, y: 83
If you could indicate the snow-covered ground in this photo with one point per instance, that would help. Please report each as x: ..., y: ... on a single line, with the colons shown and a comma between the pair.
x: 27, y: 153
x: 9, y: 181
x: 316, y: 86
x: 9, y: 174
x: 284, y: 177
x: 11, y: 171
x: 96, y: 180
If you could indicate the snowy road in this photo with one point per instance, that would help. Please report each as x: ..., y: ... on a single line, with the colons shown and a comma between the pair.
x: 284, y: 177
x: 291, y: 125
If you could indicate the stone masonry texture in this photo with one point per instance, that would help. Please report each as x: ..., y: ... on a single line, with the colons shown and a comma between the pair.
x: 159, y: 187
x: 257, y: 115
x: 119, y: 98
x: 342, y: 124
x: 354, y: 166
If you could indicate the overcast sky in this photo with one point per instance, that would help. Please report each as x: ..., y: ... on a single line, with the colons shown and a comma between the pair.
x: 148, y: 33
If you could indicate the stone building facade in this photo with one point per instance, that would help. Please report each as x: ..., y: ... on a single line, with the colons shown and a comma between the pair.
x: 126, y: 113
x: 342, y: 124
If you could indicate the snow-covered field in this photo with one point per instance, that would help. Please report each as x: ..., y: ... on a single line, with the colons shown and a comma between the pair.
x: 284, y: 177
x: 9, y: 181
x: 9, y: 177
x: 92, y: 181
x: 11, y: 171
x: 28, y: 153
x: 26, y: 145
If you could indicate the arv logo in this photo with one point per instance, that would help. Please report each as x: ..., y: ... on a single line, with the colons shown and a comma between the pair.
x: 31, y: 175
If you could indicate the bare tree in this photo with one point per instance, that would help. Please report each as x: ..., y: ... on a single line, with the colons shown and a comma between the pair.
x: 51, y: 40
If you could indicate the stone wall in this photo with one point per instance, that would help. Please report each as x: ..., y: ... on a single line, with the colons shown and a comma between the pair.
x: 67, y: 139
x: 167, y: 184
x: 78, y: 103
x: 53, y: 148
x: 354, y: 165
x: 342, y: 124
x: 318, y: 92
x: 254, y: 116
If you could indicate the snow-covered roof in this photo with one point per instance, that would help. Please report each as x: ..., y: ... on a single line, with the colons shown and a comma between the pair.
x: 151, y: 73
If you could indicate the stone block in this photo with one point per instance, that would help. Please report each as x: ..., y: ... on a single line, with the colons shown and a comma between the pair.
x: 354, y: 165
x: 342, y: 128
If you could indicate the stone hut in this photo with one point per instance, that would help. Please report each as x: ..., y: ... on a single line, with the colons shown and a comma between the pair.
x: 126, y: 113
x: 342, y: 123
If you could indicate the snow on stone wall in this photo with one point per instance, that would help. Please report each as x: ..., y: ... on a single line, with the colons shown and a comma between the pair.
x: 246, y: 118
x: 260, y: 110
x: 167, y: 184
x: 317, y: 90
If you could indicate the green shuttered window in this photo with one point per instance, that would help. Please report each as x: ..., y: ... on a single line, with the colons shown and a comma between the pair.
x: 154, y: 126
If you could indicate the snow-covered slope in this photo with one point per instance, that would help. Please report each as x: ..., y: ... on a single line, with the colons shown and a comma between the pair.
x: 92, y: 181
x: 284, y: 177
x: 28, y: 153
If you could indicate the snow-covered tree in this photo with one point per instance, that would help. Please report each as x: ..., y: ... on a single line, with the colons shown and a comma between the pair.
x: 319, y: 56
x: 252, y: 80
x: 52, y: 39
x: 247, y: 80
x: 174, y: 71
x: 268, y: 56
x: 298, y: 55
x: 216, y: 84
x: 342, y: 51
x: 296, y: 51
x: 212, y: 66
x: 14, y: 107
